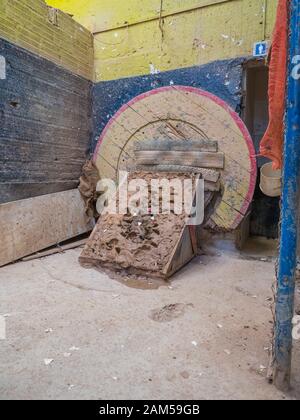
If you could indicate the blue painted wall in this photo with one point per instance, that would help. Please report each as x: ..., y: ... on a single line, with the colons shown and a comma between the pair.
x: 222, y: 78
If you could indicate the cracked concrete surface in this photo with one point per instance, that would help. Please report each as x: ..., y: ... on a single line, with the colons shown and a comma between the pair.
x: 74, y: 333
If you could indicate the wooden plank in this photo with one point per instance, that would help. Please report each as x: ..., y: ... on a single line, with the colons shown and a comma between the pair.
x: 242, y: 233
x: 14, y: 191
x: 167, y: 144
x: 212, y: 186
x: 183, y: 253
x: 207, y: 174
x: 202, y: 159
x: 30, y: 225
x: 210, y: 175
x: 56, y: 250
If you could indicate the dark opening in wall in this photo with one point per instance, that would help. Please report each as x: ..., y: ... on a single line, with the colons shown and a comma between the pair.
x: 265, y: 210
x: 14, y: 104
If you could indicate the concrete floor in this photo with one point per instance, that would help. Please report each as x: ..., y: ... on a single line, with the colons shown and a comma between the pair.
x: 203, y: 336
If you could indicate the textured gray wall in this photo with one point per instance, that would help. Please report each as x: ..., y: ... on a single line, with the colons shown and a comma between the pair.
x: 45, y: 125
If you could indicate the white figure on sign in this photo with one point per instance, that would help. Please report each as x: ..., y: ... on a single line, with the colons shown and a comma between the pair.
x: 261, y: 49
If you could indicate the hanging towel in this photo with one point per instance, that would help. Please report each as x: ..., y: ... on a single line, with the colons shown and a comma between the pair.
x: 272, y: 142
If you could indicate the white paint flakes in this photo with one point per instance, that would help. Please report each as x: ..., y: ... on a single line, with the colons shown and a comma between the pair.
x: 48, y: 330
x: 2, y: 68
x: 153, y: 69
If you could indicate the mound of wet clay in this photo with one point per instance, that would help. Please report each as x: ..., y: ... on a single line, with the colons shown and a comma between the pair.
x: 142, y: 244
x: 138, y: 244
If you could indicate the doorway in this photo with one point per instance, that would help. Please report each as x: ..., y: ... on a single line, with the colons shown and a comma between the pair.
x: 265, y: 213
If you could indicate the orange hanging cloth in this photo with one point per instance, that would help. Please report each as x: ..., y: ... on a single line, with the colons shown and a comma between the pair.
x: 272, y: 142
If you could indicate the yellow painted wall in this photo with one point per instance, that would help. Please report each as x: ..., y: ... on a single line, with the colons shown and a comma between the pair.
x: 135, y: 37
x: 66, y: 43
x: 104, y: 15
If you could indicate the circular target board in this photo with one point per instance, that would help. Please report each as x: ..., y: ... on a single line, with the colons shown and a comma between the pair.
x: 180, y: 112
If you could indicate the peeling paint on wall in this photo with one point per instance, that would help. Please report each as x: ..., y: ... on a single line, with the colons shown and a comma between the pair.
x: 222, y: 78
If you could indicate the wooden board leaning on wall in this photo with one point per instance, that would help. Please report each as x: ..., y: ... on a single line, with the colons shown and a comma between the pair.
x: 30, y: 225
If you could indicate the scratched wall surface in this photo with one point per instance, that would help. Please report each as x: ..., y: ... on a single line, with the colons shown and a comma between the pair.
x: 138, y: 37
x: 46, y: 68
x: 54, y: 35
x: 45, y: 125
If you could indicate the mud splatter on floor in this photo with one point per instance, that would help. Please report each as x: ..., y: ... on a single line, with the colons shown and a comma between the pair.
x: 170, y: 312
x: 132, y: 281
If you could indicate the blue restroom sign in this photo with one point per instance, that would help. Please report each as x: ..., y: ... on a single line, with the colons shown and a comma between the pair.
x: 260, y: 49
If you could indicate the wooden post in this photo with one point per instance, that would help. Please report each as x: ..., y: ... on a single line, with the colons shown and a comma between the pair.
x: 289, y: 211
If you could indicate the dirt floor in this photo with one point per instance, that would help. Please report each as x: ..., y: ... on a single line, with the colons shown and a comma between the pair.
x: 74, y: 333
